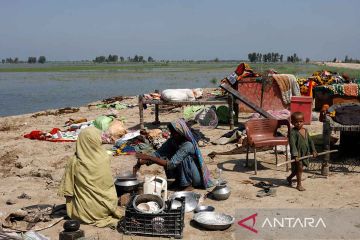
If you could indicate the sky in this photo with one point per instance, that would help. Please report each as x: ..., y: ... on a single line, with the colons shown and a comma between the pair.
x: 179, y: 29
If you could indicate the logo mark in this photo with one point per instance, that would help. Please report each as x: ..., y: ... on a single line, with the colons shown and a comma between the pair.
x: 251, y: 228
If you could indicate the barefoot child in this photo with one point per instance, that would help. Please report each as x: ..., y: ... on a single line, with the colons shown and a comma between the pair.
x: 300, y: 145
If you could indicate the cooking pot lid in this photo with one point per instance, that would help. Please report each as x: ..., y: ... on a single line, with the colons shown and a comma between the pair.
x: 126, y: 177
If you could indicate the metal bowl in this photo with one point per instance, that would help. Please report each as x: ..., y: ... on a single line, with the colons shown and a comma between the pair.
x: 144, y: 198
x: 213, y: 220
x: 191, y: 200
x: 202, y: 208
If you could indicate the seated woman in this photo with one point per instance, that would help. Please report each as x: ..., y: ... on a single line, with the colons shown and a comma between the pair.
x: 181, y: 158
x: 88, y: 185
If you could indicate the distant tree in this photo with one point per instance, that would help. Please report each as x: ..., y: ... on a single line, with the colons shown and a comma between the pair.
x: 112, y: 58
x: 42, y: 59
x: 346, y: 59
x: 150, y: 59
x: 136, y: 58
x: 141, y: 59
x: 307, y: 60
x: 115, y: 58
x: 3, y: 61
x: 252, y: 57
x: 100, y: 59
x: 334, y: 60
x: 31, y: 60
x: 281, y: 57
x: 122, y: 59
x: 216, y: 60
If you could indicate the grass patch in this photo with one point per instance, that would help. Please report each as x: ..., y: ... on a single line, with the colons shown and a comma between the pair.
x: 298, y: 69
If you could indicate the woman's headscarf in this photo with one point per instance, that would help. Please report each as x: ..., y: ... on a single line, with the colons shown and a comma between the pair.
x: 181, y: 127
x: 88, y: 180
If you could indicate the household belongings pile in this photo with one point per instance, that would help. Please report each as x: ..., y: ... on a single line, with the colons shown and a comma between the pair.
x: 147, y: 141
x: 104, y: 123
x: 144, y: 141
x: 320, y: 78
x: 287, y: 83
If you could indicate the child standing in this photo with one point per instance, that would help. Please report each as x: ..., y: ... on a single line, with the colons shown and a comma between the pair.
x: 300, y: 145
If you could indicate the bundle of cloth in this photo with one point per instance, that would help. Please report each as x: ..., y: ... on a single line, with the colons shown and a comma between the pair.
x: 181, y: 94
x: 347, y: 89
x: 243, y: 70
x: 288, y: 86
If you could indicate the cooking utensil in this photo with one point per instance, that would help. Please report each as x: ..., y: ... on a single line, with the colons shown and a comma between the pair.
x: 145, y: 198
x: 126, y: 183
x: 213, y: 220
x: 221, y: 192
x: 191, y: 200
x: 203, y: 208
x: 71, y: 225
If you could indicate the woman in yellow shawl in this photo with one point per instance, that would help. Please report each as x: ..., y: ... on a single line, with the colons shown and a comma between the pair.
x: 88, y: 185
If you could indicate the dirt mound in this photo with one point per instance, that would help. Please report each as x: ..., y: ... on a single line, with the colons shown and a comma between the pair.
x: 7, y: 161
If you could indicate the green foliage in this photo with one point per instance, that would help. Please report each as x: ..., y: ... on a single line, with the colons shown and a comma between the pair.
x: 293, y: 58
x: 350, y: 60
x: 100, y: 59
x: 214, y: 81
x: 42, y: 59
x: 265, y: 57
x: 31, y: 60
x: 299, y: 69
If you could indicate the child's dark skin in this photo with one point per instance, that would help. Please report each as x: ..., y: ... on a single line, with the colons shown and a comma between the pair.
x: 298, y: 122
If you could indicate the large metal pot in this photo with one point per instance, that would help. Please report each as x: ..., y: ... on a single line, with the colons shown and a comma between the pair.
x: 126, y: 183
x: 221, y: 192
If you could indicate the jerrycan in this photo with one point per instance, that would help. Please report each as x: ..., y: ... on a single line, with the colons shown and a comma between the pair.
x: 155, y: 185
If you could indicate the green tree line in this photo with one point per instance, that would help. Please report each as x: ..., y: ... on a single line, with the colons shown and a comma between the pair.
x: 272, y: 57
x: 41, y: 59
x: 116, y: 58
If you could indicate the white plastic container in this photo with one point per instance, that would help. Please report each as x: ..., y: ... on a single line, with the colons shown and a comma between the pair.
x: 155, y: 185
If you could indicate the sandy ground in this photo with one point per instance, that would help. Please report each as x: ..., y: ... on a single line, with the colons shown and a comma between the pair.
x: 36, y: 167
x: 342, y: 65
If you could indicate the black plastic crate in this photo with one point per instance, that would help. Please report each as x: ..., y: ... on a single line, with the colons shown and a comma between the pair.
x: 169, y: 223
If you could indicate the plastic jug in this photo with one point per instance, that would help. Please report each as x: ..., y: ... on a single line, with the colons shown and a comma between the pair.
x: 155, y: 185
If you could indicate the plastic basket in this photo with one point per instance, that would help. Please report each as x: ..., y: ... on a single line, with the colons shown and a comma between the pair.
x: 169, y: 223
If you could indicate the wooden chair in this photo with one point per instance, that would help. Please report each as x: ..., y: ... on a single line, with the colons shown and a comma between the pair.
x: 263, y: 133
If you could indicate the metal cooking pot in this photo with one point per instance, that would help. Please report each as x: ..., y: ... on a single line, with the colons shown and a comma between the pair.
x: 221, y: 192
x: 124, y: 184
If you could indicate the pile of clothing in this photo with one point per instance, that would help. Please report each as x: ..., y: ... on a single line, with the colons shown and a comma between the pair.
x: 57, y: 135
x: 347, y: 89
x: 145, y: 141
x: 320, y: 78
x: 243, y: 70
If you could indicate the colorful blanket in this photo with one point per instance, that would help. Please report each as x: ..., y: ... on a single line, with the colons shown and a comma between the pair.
x: 347, y: 89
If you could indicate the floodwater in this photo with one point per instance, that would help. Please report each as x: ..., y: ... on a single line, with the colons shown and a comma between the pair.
x: 26, y: 92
